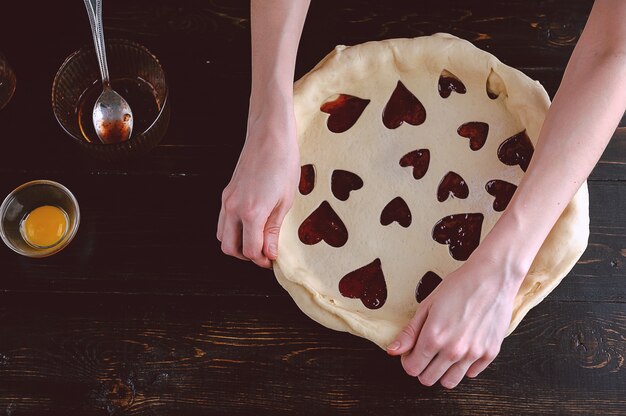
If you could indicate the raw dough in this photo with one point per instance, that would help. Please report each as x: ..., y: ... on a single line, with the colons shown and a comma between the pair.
x: 311, y: 272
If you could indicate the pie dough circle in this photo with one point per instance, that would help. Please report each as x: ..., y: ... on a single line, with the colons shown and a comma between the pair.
x: 311, y: 273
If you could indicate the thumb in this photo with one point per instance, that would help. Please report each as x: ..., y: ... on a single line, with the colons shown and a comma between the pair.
x: 405, y: 340
x: 271, y: 233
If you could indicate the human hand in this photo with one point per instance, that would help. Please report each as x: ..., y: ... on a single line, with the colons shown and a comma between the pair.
x: 458, y: 329
x: 262, y: 187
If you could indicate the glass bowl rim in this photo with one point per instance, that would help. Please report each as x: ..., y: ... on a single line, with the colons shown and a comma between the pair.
x: 87, y: 49
x: 71, y: 233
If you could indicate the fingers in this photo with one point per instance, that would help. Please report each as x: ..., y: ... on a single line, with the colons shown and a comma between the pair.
x: 271, y: 233
x: 455, y: 374
x: 220, y: 224
x: 231, y: 238
x: 415, y: 362
x: 469, y: 366
x: 426, y: 348
x: 253, y: 240
x: 405, y: 341
x: 252, y: 237
x: 477, y: 367
x: 450, y: 363
x: 241, y: 235
x: 437, y: 368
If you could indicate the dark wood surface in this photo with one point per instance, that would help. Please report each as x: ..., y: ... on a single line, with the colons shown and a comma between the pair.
x: 143, y: 315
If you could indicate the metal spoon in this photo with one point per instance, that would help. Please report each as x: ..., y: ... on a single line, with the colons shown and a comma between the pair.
x: 112, y: 116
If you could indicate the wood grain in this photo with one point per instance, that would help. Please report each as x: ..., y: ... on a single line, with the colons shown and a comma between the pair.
x: 142, y: 315
x: 130, y: 356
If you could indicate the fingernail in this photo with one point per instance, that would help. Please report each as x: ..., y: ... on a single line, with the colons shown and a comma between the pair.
x: 394, y: 346
x: 273, y: 250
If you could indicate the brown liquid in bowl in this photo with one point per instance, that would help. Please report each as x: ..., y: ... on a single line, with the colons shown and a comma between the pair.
x: 140, y: 96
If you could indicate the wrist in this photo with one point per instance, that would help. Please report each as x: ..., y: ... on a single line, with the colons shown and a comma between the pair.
x: 272, y: 90
x: 508, y: 250
x: 504, y: 272
x: 272, y: 124
x: 273, y: 106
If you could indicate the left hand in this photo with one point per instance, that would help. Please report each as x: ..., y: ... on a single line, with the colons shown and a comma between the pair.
x: 458, y: 329
x: 263, y: 185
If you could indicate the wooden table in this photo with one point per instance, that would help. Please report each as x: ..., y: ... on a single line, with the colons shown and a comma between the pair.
x: 143, y: 315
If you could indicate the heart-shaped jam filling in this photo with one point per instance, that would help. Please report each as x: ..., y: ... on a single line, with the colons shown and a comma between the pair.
x: 396, y: 210
x: 419, y: 159
x: 344, y: 111
x: 307, y: 179
x: 448, y: 82
x: 323, y: 224
x: 461, y: 232
x: 403, y: 106
x: 343, y: 182
x: 426, y: 285
x: 516, y: 150
x: 503, y: 191
x: 452, y: 185
x: 367, y: 284
x: 476, y: 131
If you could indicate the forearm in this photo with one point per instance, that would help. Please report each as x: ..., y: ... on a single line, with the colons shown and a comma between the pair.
x: 265, y: 179
x: 276, y: 27
x: 579, y: 125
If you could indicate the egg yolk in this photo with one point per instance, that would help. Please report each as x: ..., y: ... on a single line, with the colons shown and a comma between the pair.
x: 44, y: 226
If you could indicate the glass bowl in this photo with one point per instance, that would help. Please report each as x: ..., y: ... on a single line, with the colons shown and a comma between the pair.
x: 136, y: 75
x: 24, y: 199
x: 7, y: 82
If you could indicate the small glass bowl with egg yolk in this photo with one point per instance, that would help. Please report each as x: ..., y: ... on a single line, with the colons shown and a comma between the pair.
x: 39, y: 218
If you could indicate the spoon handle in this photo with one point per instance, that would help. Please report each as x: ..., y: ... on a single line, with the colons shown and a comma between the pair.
x: 94, y: 11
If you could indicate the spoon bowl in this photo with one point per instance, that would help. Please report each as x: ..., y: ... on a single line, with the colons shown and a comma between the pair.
x: 112, y: 117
